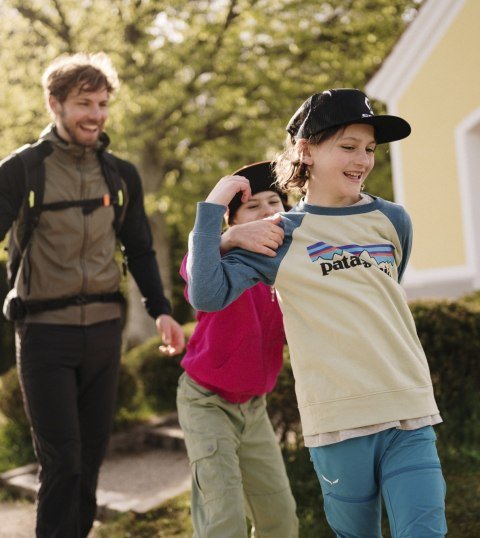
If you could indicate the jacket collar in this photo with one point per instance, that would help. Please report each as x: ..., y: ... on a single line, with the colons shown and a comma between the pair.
x: 50, y: 133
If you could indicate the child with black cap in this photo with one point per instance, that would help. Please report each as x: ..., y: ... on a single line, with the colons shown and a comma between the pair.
x: 362, y: 380
x: 233, y: 359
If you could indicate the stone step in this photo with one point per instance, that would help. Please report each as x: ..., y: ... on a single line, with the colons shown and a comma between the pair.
x: 167, y: 437
x: 162, y: 432
x: 22, y: 480
x: 143, y: 468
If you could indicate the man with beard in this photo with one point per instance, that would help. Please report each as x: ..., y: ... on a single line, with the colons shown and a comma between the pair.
x: 66, y: 200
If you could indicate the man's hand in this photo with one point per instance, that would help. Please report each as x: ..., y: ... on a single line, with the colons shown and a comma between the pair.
x: 262, y: 236
x: 172, y: 335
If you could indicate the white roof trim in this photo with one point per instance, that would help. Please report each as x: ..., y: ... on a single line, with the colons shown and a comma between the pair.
x: 412, y: 49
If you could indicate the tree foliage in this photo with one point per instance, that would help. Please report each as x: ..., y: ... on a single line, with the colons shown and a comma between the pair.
x: 207, y: 85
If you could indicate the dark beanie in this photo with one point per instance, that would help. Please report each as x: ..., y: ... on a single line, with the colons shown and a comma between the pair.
x: 262, y: 178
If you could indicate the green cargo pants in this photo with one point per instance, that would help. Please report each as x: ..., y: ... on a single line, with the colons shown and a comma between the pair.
x: 237, y: 467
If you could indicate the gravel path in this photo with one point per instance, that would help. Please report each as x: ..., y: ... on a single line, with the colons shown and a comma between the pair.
x: 18, y: 519
x: 137, y: 480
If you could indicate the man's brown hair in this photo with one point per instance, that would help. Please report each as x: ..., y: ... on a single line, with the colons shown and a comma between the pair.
x: 86, y: 72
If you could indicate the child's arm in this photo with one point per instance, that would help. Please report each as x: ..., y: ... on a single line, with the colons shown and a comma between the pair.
x: 214, y: 282
x: 406, y: 241
x: 262, y: 236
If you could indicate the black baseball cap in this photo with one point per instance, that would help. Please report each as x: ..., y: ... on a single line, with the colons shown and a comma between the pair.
x: 262, y: 178
x: 343, y: 106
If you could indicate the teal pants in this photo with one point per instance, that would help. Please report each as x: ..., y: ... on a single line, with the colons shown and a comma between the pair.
x: 400, y: 466
x: 237, y: 467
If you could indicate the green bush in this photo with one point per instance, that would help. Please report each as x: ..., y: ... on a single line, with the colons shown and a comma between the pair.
x: 128, y: 389
x: 129, y: 398
x: 15, y: 439
x: 282, y: 405
x: 472, y: 300
x: 450, y: 335
x: 158, y: 374
x: 11, y: 403
x: 16, y: 446
x: 7, y: 338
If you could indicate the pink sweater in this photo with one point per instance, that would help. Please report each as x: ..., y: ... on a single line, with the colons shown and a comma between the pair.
x: 237, y: 352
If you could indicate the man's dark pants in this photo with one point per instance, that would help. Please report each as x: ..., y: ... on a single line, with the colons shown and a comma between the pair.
x: 69, y: 377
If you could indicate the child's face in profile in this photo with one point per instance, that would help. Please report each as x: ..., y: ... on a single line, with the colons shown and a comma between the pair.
x: 261, y: 205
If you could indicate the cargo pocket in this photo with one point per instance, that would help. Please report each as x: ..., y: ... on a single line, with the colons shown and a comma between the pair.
x: 206, y: 468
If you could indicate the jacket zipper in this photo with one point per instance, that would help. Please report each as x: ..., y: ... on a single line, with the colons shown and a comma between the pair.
x: 272, y: 293
x: 81, y: 169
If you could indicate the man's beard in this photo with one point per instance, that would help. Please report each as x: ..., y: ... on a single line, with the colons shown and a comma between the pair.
x: 74, y: 139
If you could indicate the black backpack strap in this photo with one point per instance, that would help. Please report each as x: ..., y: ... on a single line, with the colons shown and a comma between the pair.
x: 32, y: 157
x: 34, y: 307
x: 87, y: 205
x: 115, y: 185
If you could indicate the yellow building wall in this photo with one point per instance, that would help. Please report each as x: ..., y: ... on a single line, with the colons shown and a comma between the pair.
x: 443, y: 93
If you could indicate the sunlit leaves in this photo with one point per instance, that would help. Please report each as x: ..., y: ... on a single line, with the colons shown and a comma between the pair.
x: 207, y: 85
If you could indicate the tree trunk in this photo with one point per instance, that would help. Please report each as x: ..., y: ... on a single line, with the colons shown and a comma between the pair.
x: 140, y: 326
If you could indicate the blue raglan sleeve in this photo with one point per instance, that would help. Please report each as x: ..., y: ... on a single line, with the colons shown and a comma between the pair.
x: 403, y: 225
x: 215, y: 281
x: 406, y: 235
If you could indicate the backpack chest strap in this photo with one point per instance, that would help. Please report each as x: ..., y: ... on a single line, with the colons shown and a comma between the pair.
x: 87, y: 205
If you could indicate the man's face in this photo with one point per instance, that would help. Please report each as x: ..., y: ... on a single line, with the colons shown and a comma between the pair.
x: 81, y: 117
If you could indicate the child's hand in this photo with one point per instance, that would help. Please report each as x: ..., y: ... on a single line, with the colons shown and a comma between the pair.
x: 227, y: 188
x: 262, y: 236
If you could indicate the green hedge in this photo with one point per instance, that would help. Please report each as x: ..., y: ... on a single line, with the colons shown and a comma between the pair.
x: 282, y: 405
x: 7, y: 338
x: 158, y: 374
x: 15, y: 439
x: 472, y: 300
x: 450, y: 335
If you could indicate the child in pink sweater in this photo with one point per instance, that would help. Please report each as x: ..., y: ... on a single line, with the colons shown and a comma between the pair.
x: 233, y: 359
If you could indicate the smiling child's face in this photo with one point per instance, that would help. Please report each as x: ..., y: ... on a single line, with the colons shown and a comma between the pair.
x: 340, y: 165
x: 261, y: 205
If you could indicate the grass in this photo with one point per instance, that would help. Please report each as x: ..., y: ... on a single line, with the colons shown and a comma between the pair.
x: 169, y: 521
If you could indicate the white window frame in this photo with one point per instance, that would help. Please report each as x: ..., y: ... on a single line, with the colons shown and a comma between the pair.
x: 467, y: 141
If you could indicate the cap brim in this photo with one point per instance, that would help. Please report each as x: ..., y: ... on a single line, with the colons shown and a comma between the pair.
x: 387, y: 128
